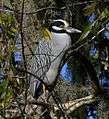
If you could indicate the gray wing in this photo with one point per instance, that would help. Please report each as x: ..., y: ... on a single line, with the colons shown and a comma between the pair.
x: 40, y: 63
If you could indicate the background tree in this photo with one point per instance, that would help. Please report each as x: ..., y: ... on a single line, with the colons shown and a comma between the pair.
x: 87, y: 59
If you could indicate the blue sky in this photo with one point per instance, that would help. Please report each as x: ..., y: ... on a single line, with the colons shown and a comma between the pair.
x: 65, y: 72
x: 107, y: 32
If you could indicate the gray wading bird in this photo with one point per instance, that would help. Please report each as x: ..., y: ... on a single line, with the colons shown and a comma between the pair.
x: 48, y: 55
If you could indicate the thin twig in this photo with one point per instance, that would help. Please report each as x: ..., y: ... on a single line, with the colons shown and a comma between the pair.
x: 52, y: 60
x: 7, y: 9
x: 23, y: 52
x: 59, y: 106
x: 76, y: 49
x: 30, y: 73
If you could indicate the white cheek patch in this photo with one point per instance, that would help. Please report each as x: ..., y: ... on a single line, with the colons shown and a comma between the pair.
x: 57, y: 28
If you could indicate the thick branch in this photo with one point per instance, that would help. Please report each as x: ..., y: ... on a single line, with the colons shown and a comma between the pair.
x: 70, y: 106
x: 73, y: 105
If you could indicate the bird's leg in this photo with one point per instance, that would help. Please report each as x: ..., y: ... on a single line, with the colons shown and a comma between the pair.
x: 46, y: 92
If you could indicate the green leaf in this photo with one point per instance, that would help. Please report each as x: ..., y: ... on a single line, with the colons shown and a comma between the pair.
x: 10, y: 33
x: 95, y: 25
x: 10, y: 19
x: 5, y: 93
x: 89, y: 9
x: 13, y: 30
x: 87, y: 30
x: 3, y: 86
x: 104, y: 14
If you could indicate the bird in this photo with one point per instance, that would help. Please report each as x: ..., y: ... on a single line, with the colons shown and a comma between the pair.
x: 48, y: 55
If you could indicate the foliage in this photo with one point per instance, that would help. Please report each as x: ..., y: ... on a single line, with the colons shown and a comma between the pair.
x: 92, y: 45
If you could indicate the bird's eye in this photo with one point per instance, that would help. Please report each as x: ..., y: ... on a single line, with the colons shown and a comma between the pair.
x: 59, y: 24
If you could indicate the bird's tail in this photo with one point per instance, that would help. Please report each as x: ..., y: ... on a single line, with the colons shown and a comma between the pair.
x: 38, y: 89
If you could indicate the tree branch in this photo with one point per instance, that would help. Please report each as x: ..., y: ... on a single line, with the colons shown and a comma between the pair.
x: 72, y: 105
x: 7, y: 9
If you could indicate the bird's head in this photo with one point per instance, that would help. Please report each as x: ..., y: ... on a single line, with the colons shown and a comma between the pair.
x: 62, y: 26
x: 58, y: 26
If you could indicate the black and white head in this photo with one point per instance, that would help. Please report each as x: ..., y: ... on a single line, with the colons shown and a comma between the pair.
x: 62, y: 26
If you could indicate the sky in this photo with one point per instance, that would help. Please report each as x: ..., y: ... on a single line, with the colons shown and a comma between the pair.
x: 65, y: 73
